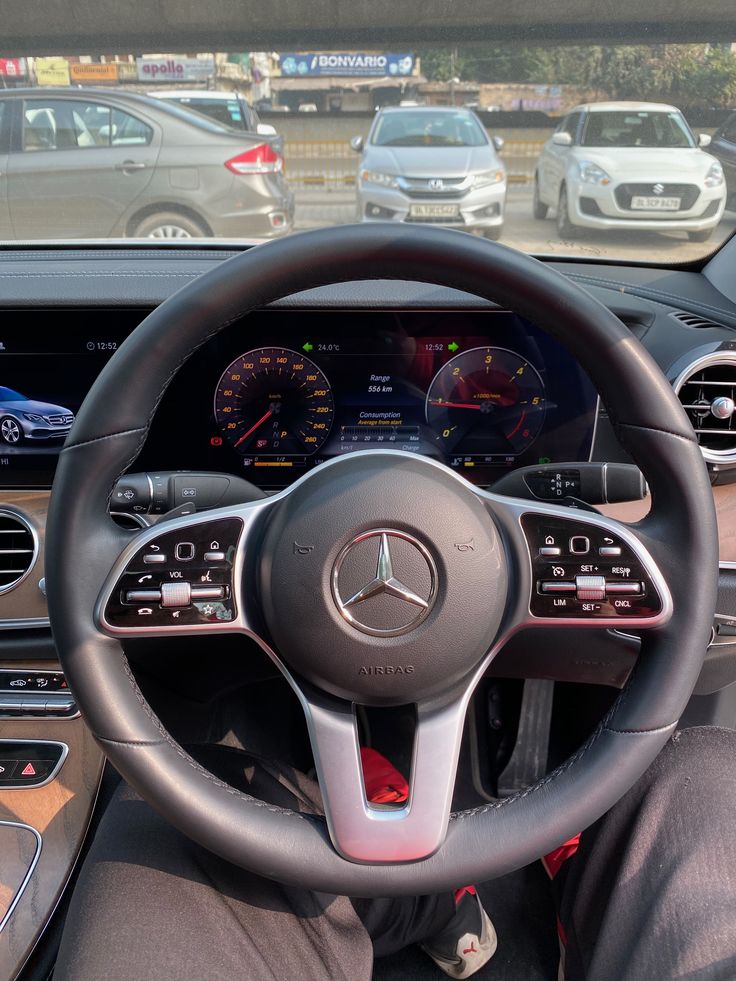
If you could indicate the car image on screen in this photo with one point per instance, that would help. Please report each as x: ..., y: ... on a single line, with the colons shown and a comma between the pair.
x: 22, y: 418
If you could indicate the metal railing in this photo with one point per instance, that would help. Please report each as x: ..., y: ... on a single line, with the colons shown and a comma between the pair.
x: 332, y: 163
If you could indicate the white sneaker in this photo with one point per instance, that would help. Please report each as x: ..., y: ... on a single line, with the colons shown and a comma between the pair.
x: 468, y: 941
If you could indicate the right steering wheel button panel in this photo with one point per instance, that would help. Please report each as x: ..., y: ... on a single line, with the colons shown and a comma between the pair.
x: 595, y: 574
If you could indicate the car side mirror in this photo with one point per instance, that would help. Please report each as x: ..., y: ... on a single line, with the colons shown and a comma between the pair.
x: 562, y: 139
x: 498, y: 143
x: 357, y: 144
x: 264, y: 129
x: 703, y: 139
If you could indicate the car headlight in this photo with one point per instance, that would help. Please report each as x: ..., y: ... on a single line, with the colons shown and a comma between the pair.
x: 714, y: 177
x: 591, y: 173
x: 32, y: 418
x: 488, y: 177
x: 376, y: 177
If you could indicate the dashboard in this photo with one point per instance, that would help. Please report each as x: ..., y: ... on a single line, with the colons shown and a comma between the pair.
x: 385, y: 355
x: 278, y: 392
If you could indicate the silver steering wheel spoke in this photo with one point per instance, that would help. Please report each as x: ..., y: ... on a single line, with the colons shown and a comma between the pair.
x: 366, y: 832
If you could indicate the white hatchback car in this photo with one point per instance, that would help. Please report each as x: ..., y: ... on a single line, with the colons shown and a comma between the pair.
x: 634, y: 165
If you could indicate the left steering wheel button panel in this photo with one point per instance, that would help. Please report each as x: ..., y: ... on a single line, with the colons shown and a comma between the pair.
x: 184, y: 590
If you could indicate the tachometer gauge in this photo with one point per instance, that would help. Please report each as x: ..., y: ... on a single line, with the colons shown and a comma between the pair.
x: 274, y: 401
x: 487, y: 400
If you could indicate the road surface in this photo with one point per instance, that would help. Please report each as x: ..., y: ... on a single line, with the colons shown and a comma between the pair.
x: 317, y: 207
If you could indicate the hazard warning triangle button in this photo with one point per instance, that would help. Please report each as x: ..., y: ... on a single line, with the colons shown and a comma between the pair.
x: 28, y: 770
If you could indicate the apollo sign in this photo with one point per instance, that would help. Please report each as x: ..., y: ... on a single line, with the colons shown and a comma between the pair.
x: 174, y: 69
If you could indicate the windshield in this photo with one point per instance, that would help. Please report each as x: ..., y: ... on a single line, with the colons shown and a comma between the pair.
x: 636, y: 129
x: 615, y: 151
x: 407, y: 128
x: 229, y: 112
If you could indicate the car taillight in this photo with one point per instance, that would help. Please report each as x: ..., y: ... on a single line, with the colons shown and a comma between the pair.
x: 261, y: 159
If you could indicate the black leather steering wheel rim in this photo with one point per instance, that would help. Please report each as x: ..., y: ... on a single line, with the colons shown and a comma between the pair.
x: 82, y: 542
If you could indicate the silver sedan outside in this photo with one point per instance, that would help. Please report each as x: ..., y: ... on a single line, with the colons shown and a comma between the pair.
x: 431, y: 166
x: 89, y: 163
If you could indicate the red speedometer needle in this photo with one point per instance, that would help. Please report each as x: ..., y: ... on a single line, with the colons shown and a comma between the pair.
x: 254, y: 427
x: 457, y: 405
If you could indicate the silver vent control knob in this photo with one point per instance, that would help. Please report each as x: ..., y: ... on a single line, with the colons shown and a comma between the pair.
x: 722, y: 407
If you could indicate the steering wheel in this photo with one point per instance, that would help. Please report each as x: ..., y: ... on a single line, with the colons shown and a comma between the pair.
x: 381, y: 578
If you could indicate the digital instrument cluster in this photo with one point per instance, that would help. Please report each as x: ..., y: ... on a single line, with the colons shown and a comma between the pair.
x: 483, y: 392
x: 282, y: 390
x: 486, y: 401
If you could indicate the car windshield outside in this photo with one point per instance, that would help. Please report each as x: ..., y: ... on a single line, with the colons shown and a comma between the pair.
x: 227, y: 110
x: 615, y: 151
x: 426, y: 128
x: 636, y: 129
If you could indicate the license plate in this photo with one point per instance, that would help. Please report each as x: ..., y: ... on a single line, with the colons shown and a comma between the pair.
x: 641, y: 203
x: 434, y: 211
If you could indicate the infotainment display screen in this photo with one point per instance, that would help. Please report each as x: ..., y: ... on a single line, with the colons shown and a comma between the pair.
x: 47, y: 365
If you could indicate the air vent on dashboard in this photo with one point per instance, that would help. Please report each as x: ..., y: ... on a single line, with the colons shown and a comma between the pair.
x: 18, y: 549
x: 707, y: 391
x: 693, y: 320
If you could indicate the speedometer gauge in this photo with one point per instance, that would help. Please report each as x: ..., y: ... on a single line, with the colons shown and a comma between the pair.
x: 487, y: 400
x: 274, y: 401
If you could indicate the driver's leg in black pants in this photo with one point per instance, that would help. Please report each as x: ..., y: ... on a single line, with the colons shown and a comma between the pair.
x: 150, y: 904
x: 650, y: 894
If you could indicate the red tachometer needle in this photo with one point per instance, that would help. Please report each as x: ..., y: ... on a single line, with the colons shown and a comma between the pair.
x: 254, y: 427
x: 457, y: 405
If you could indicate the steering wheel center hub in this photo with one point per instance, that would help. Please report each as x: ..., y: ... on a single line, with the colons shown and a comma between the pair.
x: 386, y: 580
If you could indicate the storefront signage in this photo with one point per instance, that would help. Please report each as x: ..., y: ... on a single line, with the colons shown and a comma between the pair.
x: 94, y: 73
x: 174, y: 69
x: 13, y: 67
x: 349, y: 64
x: 52, y: 71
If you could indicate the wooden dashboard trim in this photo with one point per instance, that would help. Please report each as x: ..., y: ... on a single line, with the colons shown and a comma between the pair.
x: 60, y: 811
x: 724, y: 497
x: 20, y: 847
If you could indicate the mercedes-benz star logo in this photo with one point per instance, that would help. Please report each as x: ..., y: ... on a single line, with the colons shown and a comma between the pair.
x: 417, y: 565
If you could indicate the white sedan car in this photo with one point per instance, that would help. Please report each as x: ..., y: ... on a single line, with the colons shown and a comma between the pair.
x: 632, y: 165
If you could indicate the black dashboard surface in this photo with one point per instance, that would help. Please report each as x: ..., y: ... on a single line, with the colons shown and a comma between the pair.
x: 140, y: 276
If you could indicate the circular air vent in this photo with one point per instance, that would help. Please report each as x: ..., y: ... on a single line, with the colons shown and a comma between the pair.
x: 18, y: 549
x: 707, y: 390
